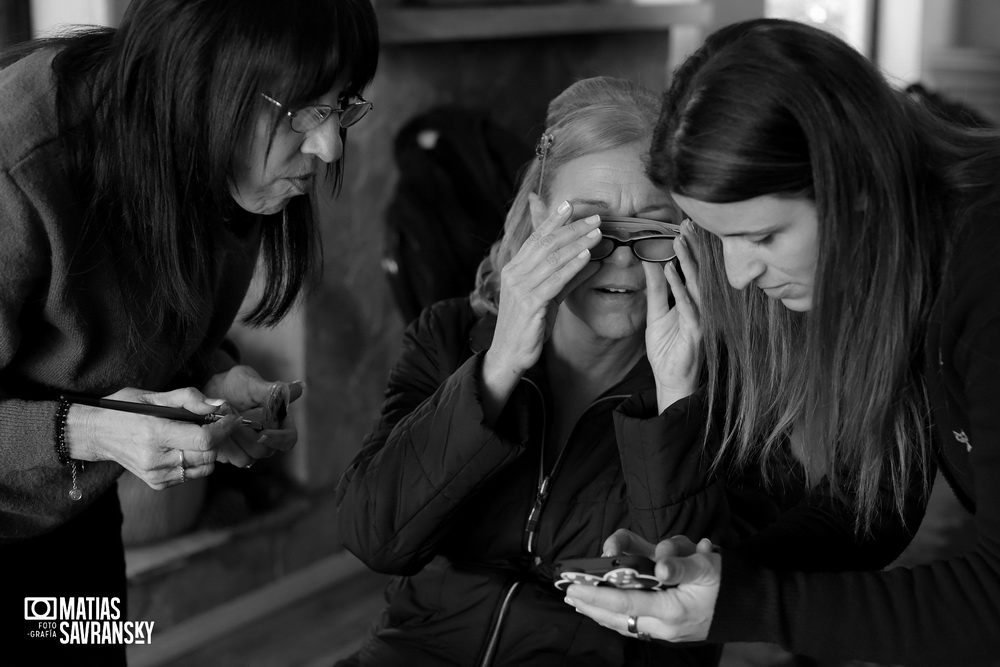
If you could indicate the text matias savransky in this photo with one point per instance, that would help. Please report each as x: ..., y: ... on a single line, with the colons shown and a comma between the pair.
x: 84, y: 620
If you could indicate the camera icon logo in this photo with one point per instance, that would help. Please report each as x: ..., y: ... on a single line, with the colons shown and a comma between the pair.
x: 40, y: 609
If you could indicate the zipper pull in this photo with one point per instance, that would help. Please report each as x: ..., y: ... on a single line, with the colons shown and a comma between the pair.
x: 536, y: 512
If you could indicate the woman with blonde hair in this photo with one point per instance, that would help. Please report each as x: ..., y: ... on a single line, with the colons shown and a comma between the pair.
x: 504, y: 445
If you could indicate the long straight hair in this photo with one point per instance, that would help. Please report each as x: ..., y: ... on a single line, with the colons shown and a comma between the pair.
x: 777, y: 108
x: 590, y: 116
x: 154, y: 113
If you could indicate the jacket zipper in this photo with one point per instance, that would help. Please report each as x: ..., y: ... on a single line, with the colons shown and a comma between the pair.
x: 491, y: 645
x: 545, y: 481
x: 534, y: 516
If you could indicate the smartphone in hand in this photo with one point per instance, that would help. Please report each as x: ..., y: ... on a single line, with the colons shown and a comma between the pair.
x: 629, y: 572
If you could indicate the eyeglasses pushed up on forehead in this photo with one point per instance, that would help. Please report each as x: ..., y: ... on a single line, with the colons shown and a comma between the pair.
x: 649, y: 240
x: 311, y: 117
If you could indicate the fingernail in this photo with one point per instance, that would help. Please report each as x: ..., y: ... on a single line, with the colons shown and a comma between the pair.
x: 583, y: 253
x: 594, y: 233
x: 301, y: 383
x: 570, y: 602
x: 593, y: 220
x: 217, y: 402
x: 563, y: 208
x: 262, y: 439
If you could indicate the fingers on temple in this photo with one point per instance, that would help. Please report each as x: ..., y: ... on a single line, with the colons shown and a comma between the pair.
x: 557, y: 219
x: 657, y: 291
x: 682, y: 296
x: 561, y: 244
x: 689, y: 265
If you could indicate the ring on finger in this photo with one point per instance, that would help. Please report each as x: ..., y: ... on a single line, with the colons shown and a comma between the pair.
x: 183, y: 469
x: 631, y: 626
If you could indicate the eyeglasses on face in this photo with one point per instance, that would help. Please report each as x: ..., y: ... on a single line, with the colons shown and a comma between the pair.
x: 649, y: 240
x: 311, y: 117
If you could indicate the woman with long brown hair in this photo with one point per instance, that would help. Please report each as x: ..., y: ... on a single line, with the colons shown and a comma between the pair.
x: 846, y: 242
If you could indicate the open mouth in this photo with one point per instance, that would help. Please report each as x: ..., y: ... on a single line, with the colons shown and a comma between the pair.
x: 615, y: 290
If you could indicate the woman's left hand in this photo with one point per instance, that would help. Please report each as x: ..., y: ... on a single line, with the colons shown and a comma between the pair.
x: 245, y: 391
x: 673, y: 335
x: 681, y: 613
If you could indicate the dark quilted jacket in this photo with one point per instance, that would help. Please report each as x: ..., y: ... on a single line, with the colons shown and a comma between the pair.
x: 454, y: 507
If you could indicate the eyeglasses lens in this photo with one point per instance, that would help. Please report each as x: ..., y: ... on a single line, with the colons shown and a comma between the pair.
x: 658, y: 249
x: 354, y: 112
x: 308, y: 118
x: 603, y: 248
x: 650, y: 249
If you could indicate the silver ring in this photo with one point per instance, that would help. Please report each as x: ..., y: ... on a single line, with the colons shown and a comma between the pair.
x: 183, y: 469
x: 632, y: 620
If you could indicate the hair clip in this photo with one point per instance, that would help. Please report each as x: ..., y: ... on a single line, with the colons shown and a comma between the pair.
x: 544, y: 143
x: 542, y: 150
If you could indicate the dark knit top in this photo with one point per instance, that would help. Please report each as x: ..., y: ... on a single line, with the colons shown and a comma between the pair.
x: 62, y: 308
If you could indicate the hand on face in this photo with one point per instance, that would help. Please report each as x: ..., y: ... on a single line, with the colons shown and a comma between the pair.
x: 673, y: 335
x: 681, y: 613
x: 550, y: 264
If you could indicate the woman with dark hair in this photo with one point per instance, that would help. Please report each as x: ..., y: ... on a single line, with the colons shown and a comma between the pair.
x: 146, y: 170
x: 501, y: 448
x: 846, y: 243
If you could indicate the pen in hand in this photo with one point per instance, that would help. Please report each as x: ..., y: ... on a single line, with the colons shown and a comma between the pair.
x: 162, y: 411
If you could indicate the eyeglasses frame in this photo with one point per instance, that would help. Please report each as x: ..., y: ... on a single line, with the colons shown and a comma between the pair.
x: 331, y: 110
x: 657, y: 229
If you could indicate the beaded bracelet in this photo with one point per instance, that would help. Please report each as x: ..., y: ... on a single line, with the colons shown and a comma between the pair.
x: 62, y: 450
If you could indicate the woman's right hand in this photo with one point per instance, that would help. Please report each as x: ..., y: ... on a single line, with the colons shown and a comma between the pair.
x: 674, y: 335
x: 532, y: 285
x: 151, y: 448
